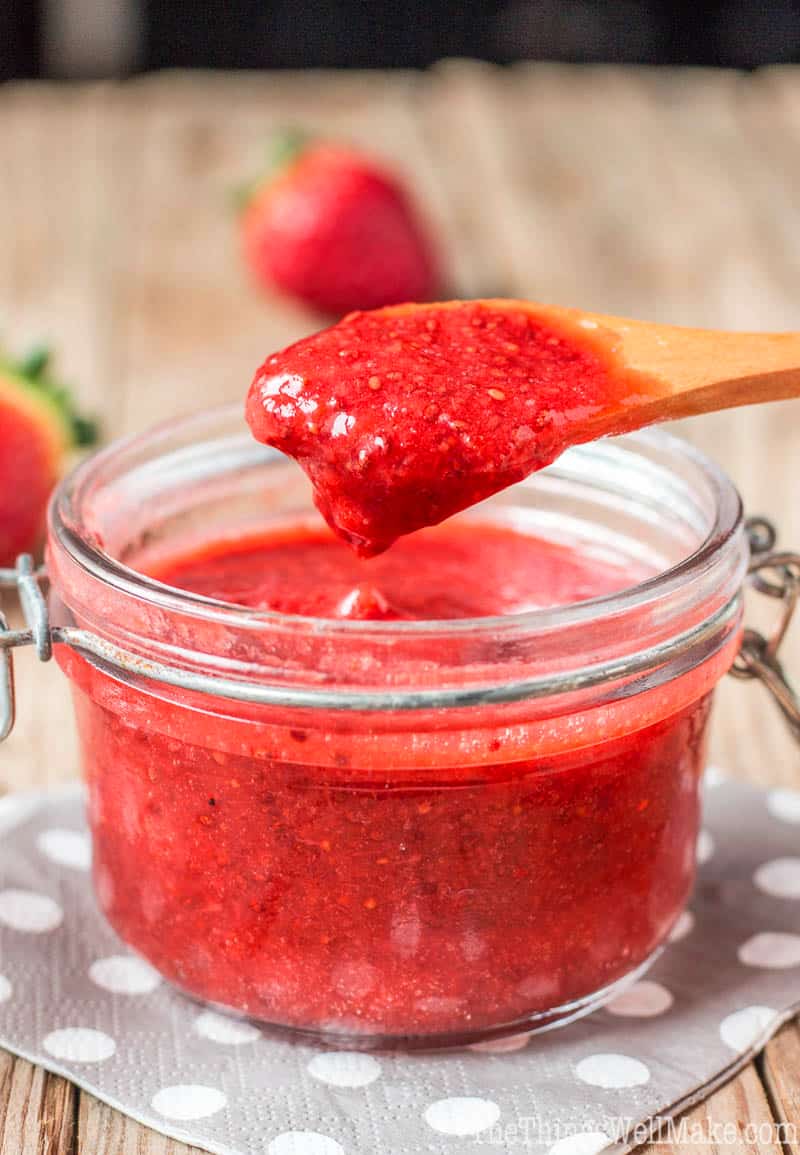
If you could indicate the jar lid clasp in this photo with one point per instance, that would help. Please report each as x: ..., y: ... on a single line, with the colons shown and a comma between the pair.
x: 25, y: 578
x: 775, y: 574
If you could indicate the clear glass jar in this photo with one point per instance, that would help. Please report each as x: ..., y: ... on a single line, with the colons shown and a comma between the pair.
x: 373, y: 833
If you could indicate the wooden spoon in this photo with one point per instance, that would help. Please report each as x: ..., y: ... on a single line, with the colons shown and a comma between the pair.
x: 690, y: 371
x: 403, y: 416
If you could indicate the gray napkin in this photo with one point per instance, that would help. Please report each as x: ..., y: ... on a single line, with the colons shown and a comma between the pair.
x: 75, y: 1000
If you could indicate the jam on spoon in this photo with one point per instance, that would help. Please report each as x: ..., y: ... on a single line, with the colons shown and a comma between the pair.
x: 406, y: 415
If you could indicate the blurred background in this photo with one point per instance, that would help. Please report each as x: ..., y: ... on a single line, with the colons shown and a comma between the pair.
x: 93, y: 38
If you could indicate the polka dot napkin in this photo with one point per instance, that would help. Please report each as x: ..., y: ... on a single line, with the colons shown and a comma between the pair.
x: 73, y: 999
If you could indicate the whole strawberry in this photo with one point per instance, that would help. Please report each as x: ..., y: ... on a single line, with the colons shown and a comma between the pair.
x: 38, y: 429
x: 330, y: 227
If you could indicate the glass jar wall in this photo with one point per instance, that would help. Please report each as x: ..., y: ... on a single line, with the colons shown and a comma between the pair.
x: 425, y: 832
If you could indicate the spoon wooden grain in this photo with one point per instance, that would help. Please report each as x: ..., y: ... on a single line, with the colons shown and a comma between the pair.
x: 692, y: 371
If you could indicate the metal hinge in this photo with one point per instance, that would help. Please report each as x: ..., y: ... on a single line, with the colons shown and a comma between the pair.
x: 25, y: 579
x: 776, y: 574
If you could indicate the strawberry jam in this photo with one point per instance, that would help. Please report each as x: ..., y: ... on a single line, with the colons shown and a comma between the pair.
x: 462, y: 571
x: 404, y: 416
x: 426, y: 877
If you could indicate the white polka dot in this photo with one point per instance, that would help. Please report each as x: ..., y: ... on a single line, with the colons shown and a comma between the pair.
x: 612, y: 1071
x: 5, y: 989
x: 643, y: 1000
x: 784, y: 804
x: 24, y: 910
x: 344, y: 1068
x: 188, y: 1101
x: 744, y: 1028
x: 503, y: 1046
x: 461, y: 1116
x: 581, y: 1143
x: 124, y: 975
x: 772, y: 950
x: 714, y: 776
x: 705, y: 847
x: 228, y: 1031
x: 66, y: 848
x: 79, y: 1045
x: 780, y: 877
x: 683, y: 926
x: 304, y: 1143
x: 16, y: 809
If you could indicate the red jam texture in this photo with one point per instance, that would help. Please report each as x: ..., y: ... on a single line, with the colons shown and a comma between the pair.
x: 460, y: 570
x: 404, y: 416
x: 280, y: 868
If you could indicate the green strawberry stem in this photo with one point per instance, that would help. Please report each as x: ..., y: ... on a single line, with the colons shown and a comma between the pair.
x: 284, y: 148
x: 34, y: 363
x: 85, y: 431
x: 32, y: 369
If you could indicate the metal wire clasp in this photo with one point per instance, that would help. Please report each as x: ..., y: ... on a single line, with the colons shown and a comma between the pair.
x: 776, y: 574
x: 25, y: 579
x: 772, y: 572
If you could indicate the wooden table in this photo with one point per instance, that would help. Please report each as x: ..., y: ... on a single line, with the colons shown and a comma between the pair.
x: 665, y: 194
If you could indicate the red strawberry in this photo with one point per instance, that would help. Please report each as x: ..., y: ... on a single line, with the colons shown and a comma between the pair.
x: 336, y: 231
x: 38, y: 429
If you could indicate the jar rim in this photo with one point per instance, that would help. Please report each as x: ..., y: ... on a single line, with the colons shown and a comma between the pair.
x: 74, y: 537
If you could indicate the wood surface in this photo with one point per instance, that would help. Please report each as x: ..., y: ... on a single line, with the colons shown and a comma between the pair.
x: 667, y: 195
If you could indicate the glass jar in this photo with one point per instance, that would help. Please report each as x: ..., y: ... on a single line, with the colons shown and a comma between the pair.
x: 373, y: 833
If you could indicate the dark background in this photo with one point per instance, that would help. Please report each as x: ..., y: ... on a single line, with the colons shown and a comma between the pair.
x: 118, y: 37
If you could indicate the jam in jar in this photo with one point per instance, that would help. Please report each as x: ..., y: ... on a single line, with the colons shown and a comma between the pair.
x: 438, y: 796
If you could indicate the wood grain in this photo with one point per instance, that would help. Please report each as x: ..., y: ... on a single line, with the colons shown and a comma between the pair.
x: 781, y: 1070
x: 736, y: 1120
x: 102, y: 1129
x: 37, y: 1110
x: 666, y: 195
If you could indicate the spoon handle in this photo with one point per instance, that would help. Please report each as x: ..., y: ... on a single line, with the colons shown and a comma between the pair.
x: 702, y: 370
